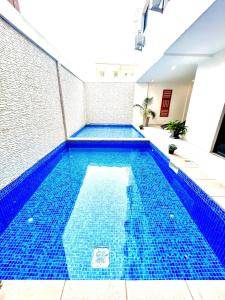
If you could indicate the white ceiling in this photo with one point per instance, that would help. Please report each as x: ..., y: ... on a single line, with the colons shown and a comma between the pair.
x: 203, y: 39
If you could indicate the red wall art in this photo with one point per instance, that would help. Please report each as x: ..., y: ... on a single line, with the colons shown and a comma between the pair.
x: 165, y: 106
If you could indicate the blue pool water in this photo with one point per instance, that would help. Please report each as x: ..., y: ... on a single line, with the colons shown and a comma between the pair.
x: 122, y: 198
x: 108, y: 131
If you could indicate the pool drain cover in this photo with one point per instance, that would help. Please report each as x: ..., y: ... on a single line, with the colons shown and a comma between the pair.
x: 100, y: 258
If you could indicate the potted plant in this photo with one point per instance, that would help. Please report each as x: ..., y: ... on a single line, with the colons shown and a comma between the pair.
x: 172, y: 148
x: 146, y: 110
x: 176, y: 128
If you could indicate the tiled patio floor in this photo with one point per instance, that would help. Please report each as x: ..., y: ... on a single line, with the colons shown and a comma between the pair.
x: 112, y: 290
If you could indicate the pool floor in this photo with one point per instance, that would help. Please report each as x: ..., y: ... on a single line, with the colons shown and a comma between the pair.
x: 107, y: 131
x: 117, y: 199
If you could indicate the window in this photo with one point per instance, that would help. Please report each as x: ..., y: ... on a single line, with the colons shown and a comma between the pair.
x: 220, y: 142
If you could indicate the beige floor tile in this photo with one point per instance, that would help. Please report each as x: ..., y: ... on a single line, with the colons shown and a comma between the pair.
x: 94, y: 290
x: 209, y: 162
x: 196, y: 173
x: 183, y: 162
x: 158, y: 290
x: 207, y: 289
x: 220, y: 201
x: 31, y: 290
x: 212, y: 187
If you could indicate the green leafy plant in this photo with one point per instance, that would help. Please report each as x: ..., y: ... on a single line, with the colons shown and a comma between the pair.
x: 146, y: 110
x: 176, y: 128
x: 172, y: 148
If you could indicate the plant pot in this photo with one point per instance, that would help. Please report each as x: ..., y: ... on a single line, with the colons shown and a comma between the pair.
x: 172, y: 148
x: 174, y: 135
x: 146, y: 121
x: 171, y: 151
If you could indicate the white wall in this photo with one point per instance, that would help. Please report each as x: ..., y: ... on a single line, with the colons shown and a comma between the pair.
x: 205, y: 111
x: 207, y: 102
x: 30, y: 112
x: 31, y: 115
x: 178, y: 106
x: 163, y: 29
x: 141, y: 92
x: 73, y: 101
x: 109, y: 102
x: 18, y: 20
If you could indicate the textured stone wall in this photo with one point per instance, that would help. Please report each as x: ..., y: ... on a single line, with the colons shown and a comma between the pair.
x: 109, y: 102
x: 31, y: 114
x: 31, y: 123
x: 73, y: 100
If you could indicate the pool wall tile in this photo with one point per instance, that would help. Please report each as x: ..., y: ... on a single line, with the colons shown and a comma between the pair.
x: 149, y: 203
x: 108, y: 144
x: 208, y: 216
x: 15, y: 195
x: 108, y: 131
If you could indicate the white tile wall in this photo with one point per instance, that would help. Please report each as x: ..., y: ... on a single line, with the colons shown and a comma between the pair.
x: 109, y: 102
x: 31, y: 123
x: 73, y: 100
x: 30, y: 112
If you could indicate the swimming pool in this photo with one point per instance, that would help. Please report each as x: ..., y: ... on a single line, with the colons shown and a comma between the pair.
x: 118, y: 198
x: 107, y: 131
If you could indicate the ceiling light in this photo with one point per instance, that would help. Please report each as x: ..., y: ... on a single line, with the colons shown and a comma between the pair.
x: 173, y: 68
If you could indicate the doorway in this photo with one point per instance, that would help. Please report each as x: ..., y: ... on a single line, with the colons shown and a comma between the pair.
x: 219, y: 147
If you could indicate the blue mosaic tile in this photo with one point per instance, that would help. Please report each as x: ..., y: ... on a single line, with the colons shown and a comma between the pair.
x: 208, y: 216
x: 13, y: 196
x: 108, y: 131
x: 108, y: 144
x: 122, y: 196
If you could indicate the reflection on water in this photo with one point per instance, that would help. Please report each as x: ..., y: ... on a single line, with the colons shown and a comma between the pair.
x: 102, y: 200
